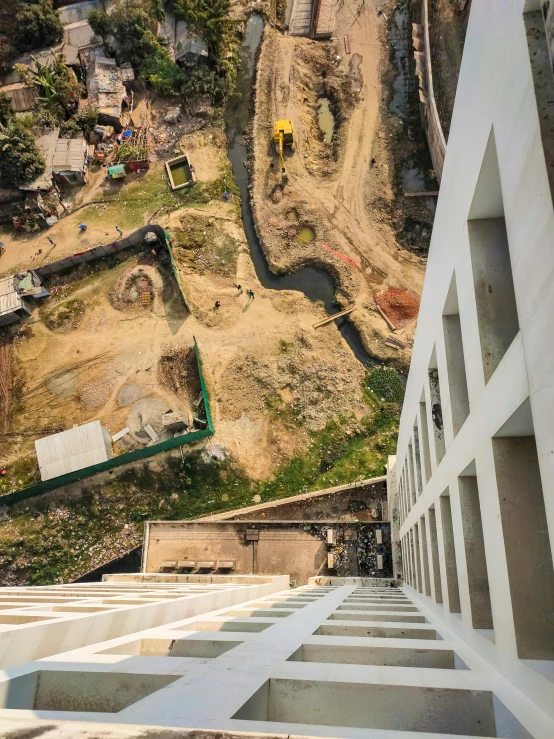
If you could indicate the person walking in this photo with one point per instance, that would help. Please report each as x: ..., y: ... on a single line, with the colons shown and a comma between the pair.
x: 217, y: 304
x: 239, y: 288
x: 250, y: 294
x: 82, y: 228
x: 119, y: 231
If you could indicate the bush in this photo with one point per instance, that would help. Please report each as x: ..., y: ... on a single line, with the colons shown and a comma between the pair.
x: 6, y: 108
x: 36, y: 25
x: 385, y: 383
x: 209, y: 19
x: 100, y: 23
x: 138, y: 45
x: 20, y: 160
x: 162, y: 73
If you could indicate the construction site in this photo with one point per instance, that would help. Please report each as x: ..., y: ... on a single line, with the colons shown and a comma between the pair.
x: 281, y: 264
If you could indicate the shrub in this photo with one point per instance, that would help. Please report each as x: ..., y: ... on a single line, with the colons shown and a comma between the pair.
x: 36, y: 25
x: 385, y: 383
x: 20, y: 160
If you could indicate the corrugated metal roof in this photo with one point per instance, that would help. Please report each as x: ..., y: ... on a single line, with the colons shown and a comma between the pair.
x: 80, y: 34
x: 10, y: 300
x: 71, y: 450
x: 46, y: 56
x: 47, y: 146
x: 105, y: 88
x: 23, y: 97
x: 187, y: 43
x: 69, y: 155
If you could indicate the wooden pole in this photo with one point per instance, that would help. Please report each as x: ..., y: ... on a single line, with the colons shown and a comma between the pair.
x: 332, y: 318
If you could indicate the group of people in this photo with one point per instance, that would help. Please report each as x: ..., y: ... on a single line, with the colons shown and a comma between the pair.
x: 250, y: 294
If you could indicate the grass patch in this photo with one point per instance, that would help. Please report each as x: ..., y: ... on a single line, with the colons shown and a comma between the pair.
x: 19, y: 474
x: 66, y: 317
x: 129, y: 206
x: 46, y: 540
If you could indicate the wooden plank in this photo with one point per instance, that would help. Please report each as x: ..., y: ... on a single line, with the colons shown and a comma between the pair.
x: 422, y: 194
x: 390, y: 324
x: 333, y: 317
x: 347, y: 44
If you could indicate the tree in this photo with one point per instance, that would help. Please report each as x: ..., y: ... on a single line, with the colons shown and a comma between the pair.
x: 37, y: 24
x: 20, y: 160
x: 100, y: 23
x: 209, y: 19
x: 6, y: 108
x: 162, y: 73
x: 56, y: 84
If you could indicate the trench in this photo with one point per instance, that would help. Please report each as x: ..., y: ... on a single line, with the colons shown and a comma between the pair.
x: 315, y: 284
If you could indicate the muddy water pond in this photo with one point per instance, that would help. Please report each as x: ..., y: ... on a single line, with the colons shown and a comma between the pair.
x: 316, y: 284
x: 325, y: 120
x: 305, y: 235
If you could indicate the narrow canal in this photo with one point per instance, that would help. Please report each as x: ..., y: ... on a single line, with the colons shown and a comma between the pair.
x: 316, y: 284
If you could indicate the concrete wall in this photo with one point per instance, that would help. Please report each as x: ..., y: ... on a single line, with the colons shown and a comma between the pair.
x: 272, y: 667
x: 480, y: 391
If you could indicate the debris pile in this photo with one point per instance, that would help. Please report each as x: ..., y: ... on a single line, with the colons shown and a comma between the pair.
x: 178, y: 370
x: 399, y: 306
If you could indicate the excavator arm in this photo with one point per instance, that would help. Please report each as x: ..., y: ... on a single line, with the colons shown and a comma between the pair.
x: 281, y: 147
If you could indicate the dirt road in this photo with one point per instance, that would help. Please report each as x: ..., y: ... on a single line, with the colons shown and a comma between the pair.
x: 329, y: 184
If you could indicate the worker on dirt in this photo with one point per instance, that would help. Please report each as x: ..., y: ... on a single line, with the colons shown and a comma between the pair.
x: 119, y: 231
x: 82, y: 227
x: 239, y: 288
x: 217, y: 304
x: 250, y: 294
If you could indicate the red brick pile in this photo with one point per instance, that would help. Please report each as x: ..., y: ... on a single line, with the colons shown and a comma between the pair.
x: 399, y: 306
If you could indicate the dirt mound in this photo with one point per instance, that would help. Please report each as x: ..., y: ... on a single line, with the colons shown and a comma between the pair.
x: 178, y: 370
x: 95, y: 394
x: 400, y: 306
x: 136, y: 288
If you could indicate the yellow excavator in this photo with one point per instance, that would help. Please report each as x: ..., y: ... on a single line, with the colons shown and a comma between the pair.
x: 283, y: 136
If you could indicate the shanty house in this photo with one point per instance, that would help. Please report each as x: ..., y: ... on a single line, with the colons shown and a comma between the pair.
x: 187, y: 45
x: 70, y: 55
x: 22, y: 96
x: 106, y: 90
x: 47, y: 146
x: 69, y: 164
x: 72, y: 450
x: 13, y: 292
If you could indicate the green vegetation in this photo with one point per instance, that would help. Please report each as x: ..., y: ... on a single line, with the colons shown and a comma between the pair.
x: 208, y: 19
x: 66, y: 316
x: 385, y: 384
x: 57, y: 86
x: 148, y: 195
x: 6, y: 108
x: 84, y: 120
x: 20, y: 160
x: 36, y: 25
x: 48, y: 538
x: 131, y: 24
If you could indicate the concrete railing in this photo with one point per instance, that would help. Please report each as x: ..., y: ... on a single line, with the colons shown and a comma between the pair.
x: 433, y: 128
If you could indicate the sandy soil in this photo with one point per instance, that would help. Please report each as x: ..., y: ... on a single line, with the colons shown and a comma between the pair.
x: 330, y: 185
x: 271, y: 376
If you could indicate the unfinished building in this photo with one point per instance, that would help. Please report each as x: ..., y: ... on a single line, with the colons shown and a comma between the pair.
x: 474, y: 471
x: 465, y: 645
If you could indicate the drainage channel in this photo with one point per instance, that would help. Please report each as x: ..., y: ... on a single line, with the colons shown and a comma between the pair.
x: 316, y: 284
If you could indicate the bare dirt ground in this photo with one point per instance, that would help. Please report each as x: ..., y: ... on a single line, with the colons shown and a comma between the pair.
x: 92, y: 351
x: 330, y: 186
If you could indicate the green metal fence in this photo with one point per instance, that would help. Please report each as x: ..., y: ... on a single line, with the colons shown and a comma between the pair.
x: 134, y: 456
